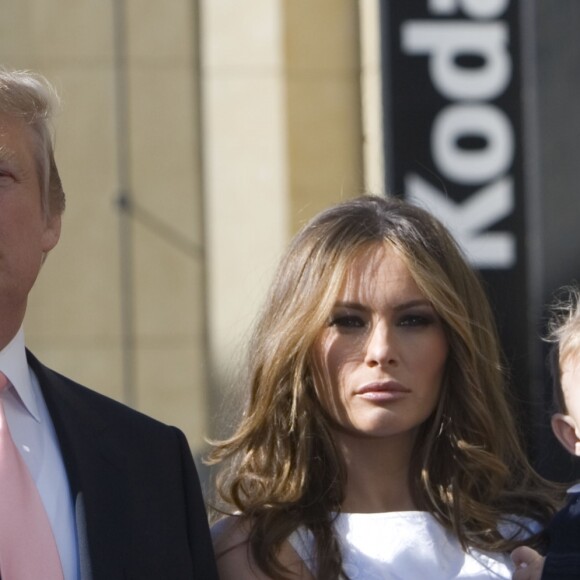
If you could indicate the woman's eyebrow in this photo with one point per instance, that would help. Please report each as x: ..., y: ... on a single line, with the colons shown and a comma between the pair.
x: 350, y: 304
x: 413, y: 303
x: 402, y: 306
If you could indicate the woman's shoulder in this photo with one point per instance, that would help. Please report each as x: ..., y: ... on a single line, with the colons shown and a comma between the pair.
x: 231, y: 540
x: 228, y: 532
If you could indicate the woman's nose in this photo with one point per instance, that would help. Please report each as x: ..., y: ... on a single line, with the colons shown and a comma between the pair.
x: 381, y: 348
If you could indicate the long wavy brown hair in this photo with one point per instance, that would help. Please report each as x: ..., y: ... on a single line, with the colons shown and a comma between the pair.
x: 282, y: 468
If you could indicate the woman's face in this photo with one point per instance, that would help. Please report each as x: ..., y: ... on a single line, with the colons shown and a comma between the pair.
x: 382, y: 356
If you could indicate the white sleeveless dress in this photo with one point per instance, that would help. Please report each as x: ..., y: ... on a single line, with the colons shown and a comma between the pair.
x: 405, y: 546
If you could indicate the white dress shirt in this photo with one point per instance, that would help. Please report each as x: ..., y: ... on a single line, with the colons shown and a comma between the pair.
x: 33, y: 433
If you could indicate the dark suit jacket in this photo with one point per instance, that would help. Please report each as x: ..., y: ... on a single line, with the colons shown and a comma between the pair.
x: 563, y: 557
x: 138, y: 503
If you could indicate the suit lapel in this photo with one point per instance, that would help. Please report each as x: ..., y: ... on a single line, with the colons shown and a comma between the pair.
x: 95, y: 471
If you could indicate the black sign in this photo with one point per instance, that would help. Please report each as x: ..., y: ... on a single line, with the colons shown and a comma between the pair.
x: 453, y: 130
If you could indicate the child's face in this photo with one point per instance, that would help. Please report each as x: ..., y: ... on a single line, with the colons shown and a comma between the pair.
x: 571, y: 387
x: 567, y: 427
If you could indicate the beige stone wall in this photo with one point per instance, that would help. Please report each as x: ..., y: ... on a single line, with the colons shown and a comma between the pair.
x: 323, y: 104
x: 371, y: 101
x: 226, y: 161
x: 74, y: 321
x: 73, y: 311
x: 246, y: 168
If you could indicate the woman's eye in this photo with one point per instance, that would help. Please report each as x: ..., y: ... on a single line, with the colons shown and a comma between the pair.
x: 347, y: 321
x: 416, y: 320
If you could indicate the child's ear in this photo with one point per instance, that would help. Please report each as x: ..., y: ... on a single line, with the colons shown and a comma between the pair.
x: 564, y: 428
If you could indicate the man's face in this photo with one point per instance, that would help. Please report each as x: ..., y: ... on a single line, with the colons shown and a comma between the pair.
x: 26, y: 233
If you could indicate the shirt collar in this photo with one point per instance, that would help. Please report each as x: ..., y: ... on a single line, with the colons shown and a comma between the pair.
x: 14, y: 365
x: 574, y: 489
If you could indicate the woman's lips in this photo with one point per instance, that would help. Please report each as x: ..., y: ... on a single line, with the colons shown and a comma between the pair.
x: 382, y: 391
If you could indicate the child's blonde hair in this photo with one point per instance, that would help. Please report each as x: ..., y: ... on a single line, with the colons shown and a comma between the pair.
x: 564, y: 334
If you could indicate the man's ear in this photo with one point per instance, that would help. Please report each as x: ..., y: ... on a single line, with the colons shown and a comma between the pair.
x: 564, y: 428
x: 51, y: 233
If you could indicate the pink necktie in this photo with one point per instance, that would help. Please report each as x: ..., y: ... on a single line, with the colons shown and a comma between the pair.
x: 27, y: 547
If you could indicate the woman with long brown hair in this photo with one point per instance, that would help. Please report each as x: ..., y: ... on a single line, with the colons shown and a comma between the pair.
x: 377, y: 441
